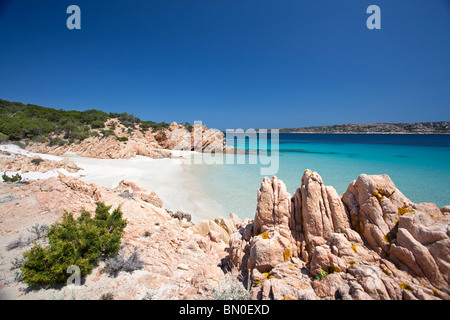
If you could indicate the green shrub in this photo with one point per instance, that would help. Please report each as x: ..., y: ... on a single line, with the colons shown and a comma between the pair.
x: 15, y: 178
x: 122, y: 139
x: 97, y: 124
x: 107, y: 133
x: 37, y: 161
x: 3, y: 137
x: 56, y: 141
x: 320, y: 274
x: 39, y: 139
x: 80, y: 242
x: 95, y: 134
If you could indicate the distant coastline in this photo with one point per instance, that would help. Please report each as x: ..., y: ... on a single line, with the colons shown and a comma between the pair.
x: 305, y: 132
x: 442, y: 127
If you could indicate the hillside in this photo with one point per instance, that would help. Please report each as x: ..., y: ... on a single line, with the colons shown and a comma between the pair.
x: 96, y: 134
x: 442, y: 127
x: 38, y: 124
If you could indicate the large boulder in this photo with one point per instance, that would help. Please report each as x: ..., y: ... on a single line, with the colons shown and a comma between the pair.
x: 371, y: 243
x: 416, y: 237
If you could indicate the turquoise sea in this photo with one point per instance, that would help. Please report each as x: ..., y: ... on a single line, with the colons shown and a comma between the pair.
x: 419, y: 165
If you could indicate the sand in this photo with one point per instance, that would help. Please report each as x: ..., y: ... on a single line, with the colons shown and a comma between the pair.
x: 171, y: 179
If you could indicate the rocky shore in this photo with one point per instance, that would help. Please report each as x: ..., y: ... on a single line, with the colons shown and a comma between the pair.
x: 123, y: 143
x: 370, y: 243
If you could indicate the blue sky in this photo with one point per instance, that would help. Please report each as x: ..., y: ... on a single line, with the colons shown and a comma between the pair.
x: 234, y: 63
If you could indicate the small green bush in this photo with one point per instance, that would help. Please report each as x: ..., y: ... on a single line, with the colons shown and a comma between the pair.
x: 107, y: 133
x: 37, y: 161
x: 320, y: 274
x: 122, y: 139
x: 97, y: 124
x: 80, y: 242
x: 39, y: 139
x: 56, y: 141
x: 3, y: 137
x: 15, y: 178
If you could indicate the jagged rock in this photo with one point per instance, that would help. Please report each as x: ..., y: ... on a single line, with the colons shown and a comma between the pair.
x: 177, y: 263
x: 267, y: 252
x: 36, y: 164
x: 414, y: 236
x: 133, y: 190
x: 180, y: 215
x: 228, y: 224
x: 445, y: 209
x: 150, y: 144
x: 204, y: 227
x: 317, y: 212
x: 274, y: 206
x: 287, y: 281
x: 201, y: 139
x: 373, y: 244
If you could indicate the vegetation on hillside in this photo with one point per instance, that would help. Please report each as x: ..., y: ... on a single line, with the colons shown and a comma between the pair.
x: 58, y: 127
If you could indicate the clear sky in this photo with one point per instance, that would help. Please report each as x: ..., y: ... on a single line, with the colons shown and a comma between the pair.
x: 232, y: 63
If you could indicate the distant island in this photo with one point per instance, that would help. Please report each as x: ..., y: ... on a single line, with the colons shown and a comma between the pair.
x: 441, y: 127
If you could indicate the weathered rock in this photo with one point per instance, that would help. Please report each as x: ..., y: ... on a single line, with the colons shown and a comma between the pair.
x: 180, y: 215
x: 267, y: 251
x: 36, y: 164
x: 204, y: 227
x: 414, y: 236
x: 373, y: 244
x: 131, y: 189
x: 274, y: 206
x: 177, y: 263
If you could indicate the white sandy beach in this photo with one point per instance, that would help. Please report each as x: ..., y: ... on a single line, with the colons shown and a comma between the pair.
x: 171, y: 179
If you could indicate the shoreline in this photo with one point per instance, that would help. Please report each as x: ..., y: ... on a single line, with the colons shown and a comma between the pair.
x: 170, y: 178
x: 408, y: 133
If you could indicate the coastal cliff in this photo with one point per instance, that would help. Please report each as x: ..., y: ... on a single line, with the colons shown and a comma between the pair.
x: 370, y: 243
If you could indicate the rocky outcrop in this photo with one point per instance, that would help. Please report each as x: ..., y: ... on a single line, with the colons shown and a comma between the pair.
x: 139, y: 143
x: 177, y: 263
x: 132, y: 190
x: 370, y: 243
x: 35, y: 164
x: 373, y: 243
x: 200, y: 139
x: 218, y: 230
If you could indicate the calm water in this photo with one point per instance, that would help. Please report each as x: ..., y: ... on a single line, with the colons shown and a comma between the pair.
x: 419, y: 165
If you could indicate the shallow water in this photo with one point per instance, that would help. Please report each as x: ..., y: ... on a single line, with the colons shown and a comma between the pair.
x: 419, y: 165
x: 167, y: 177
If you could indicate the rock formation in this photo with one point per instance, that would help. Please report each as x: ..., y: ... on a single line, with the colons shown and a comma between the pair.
x: 178, y: 263
x: 374, y: 243
x: 370, y: 243
x: 150, y: 144
x: 35, y: 164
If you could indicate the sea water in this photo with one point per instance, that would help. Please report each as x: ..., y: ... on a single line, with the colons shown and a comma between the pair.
x: 419, y: 165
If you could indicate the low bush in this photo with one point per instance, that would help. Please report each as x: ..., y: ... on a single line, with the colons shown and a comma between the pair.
x: 37, y: 161
x: 122, y: 139
x: 3, y: 137
x: 56, y: 142
x: 80, y: 242
x: 122, y: 263
x: 15, y: 178
x: 107, y: 133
